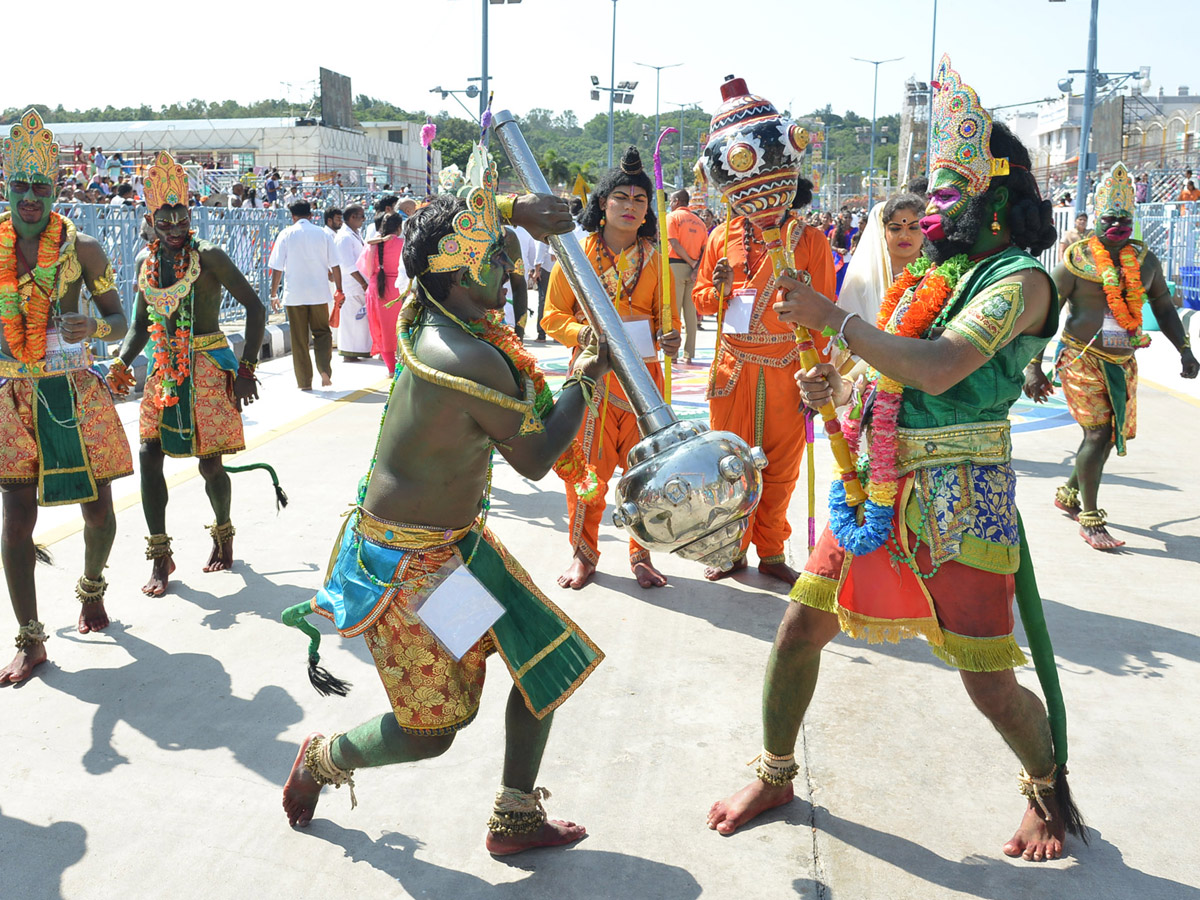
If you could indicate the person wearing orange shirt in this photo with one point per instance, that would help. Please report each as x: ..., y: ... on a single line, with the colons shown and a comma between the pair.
x: 752, y: 389
x: 686, y: 233
x: 621, y: 249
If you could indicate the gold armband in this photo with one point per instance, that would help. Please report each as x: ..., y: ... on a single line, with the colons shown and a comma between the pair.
x: 105, y: 283
x: 103, y: 329
x: 505, y: 203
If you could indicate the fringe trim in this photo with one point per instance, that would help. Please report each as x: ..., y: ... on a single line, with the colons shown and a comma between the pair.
x: 816, y: 591
x: 993, y: 654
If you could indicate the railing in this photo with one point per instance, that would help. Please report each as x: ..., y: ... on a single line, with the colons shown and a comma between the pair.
x: 246, y: 235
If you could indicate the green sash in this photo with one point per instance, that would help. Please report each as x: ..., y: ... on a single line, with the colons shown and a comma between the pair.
x: 176, y: 425
x: 548, y: 656
x: 64, y: 473
x: 1118, y: 397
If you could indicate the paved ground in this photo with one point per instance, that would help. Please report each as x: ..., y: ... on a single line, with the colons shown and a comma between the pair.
x: 148, y: 761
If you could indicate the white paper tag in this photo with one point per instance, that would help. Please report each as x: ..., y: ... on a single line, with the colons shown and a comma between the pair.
x: 459, y: 611
x: 642, y: 335
x: 1113, y: 336
x: 739, y: 312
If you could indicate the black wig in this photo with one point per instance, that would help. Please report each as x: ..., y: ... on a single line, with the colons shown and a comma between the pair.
x: 631, y: 173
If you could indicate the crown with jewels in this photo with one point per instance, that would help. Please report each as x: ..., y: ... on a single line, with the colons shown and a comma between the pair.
x: 1115, y: 194
x: 962, y: 131
x: 166, y: 183
x: 478, y: 227
x: 30, y: 153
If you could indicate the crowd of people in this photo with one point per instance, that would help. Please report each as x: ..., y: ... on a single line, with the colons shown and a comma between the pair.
x: 910, y: 328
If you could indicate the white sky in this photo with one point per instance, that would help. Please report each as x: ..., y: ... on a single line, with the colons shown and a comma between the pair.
x: 794, y: 52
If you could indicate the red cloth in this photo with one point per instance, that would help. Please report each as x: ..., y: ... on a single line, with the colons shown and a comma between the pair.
x: 380, y: 317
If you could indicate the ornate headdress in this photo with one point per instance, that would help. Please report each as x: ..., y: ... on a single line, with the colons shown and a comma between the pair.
x: 450, y: 179
x: 753, y: 154
x: 30, y: 153
x: 478, y: 227
x: 1115, y: 194
x: 166, y: 183
x: 962, y: 131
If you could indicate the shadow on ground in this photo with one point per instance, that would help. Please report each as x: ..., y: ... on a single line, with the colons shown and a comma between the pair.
x: 181, y: 701
x: 34, y: 857
x: 608, y: 874
x: 260, y: 596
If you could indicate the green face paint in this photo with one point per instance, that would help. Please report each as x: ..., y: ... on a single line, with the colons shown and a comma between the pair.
x: 31, y: 202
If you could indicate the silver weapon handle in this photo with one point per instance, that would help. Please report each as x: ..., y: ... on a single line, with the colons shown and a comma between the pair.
x: 653, y: 412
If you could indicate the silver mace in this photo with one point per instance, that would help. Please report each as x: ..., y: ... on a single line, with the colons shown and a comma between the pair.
x: 686, y: 488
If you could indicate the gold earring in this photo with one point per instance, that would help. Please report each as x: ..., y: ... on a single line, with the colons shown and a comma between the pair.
x: 995, y: 223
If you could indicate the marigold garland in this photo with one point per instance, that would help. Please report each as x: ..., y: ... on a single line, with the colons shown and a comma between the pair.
x: 26, y: 331
x: 1125, y: 305
x: 931, y: 288
x: 172, y: 355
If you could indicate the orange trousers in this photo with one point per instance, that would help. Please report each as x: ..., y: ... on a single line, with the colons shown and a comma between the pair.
x: 606, y: 451
x: 767, y: 399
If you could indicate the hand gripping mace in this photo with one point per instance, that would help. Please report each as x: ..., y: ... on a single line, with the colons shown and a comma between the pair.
x: 753, y: 156
x: 685, y: 488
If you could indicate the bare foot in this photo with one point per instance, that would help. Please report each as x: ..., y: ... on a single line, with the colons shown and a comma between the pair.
x: 326, y: 381
x: 1036, y: 839
x: 221, y: 557
x: 157, y: 585
x: 782, y: 571
x: 578, y: 574
x: 23, y: 664
x: 1098, y: 538
x: 712, y: 573
x: 730, y: 814
x: 553, y: 833
x: 1072, y: 511
x: 92, y: 617
x: 301, y: 792
x: 647, y: 576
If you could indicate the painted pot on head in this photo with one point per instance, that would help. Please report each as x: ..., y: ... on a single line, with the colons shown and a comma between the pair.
x: 753, y: 154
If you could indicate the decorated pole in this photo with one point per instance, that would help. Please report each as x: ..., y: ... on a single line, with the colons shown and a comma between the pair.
x: 664, y: 256
x: 428, y: 133
x: 753, y: 155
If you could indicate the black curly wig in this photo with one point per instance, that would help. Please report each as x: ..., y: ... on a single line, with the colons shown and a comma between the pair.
x: 631, y: 173
x: 1030, y: 219
x: 804, y: 193
x: 422, y: 232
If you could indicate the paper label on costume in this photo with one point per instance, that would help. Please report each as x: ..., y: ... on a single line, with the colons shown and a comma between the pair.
x: 61, y: 355
x: 740, y: 311
x: 459, y: 611
x: 1113, y: 336
x: 639, y: 331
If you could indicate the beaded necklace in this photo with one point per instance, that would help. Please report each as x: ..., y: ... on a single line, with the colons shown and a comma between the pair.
x: 749, y: 240
x: 172, y: 355
x: 605, y: 254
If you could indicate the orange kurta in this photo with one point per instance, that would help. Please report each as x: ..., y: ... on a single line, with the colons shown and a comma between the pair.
x: 753, y: 391
x: 639, y: 295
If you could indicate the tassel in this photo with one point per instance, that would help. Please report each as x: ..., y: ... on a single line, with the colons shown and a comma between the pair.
x: 325, y: 683
x: 42, y: 554
x: 1072, y: 817
x: 281, y: 497
x: 322, y: 680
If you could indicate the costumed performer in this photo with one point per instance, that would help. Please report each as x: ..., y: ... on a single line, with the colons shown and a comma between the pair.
x: 465, y: 388
x: 1106, y: 279
x: 621, y: 226
x: 940, y: 550
x: 195, y: 386
x: 752, y: 387
x: 60, y: 438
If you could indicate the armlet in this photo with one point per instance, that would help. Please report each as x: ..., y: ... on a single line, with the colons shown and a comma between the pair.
x: 988, y: 319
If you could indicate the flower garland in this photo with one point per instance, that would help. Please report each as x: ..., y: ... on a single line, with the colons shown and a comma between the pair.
x: 1126, y: 306
x: 172, y: 355
x: 26, y: 331
x: 931, y: 288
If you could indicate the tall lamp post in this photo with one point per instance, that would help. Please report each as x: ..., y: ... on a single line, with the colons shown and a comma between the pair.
x: 619, y: 93
x: 682, y: 107
x: 1089, y: 104
x: 657, y: 75
x: 874, y: 101
x: 483, y: 93
x: 929, y: 125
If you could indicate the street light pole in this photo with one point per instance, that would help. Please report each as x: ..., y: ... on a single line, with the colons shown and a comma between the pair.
x: 657, y: 73
x: 682, y: 107
x: 929, y: 126
x: 483, y: 83
x: 1089, y: 102
x: 612, y: 83
x: 874, y: 102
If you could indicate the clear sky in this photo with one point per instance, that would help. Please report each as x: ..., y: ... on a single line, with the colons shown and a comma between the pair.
x: 795, y: 52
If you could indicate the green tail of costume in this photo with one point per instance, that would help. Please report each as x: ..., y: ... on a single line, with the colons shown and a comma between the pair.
x: 281, y: 497
x: 321, y: 678
x: 1029, y: 603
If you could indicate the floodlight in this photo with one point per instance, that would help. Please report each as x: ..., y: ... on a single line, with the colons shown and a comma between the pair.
x: 595, y: 95
x: 595, y: 80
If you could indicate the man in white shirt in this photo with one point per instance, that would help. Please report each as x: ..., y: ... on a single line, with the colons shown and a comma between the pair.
x: 304, y: 253
x: 354, y: 331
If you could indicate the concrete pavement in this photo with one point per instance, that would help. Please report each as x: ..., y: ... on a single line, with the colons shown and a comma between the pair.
x: 148, y: 761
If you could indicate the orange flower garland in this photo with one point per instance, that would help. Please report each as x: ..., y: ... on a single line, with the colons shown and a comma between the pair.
x: 172, y: 356
x: 1126, y: 305
x: 26, y: 331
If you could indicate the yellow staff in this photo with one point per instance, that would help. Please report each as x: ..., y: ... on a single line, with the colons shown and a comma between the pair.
x: 664, y: 257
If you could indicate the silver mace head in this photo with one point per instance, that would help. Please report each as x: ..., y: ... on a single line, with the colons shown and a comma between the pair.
x: 686, y: 489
